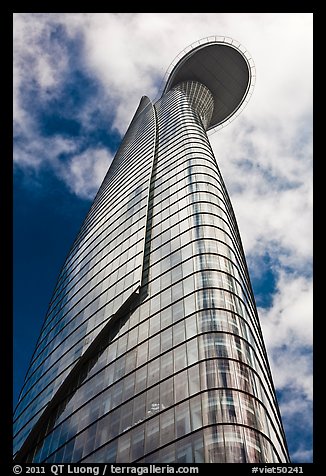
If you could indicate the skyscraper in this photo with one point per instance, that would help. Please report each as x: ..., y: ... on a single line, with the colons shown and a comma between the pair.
x: 151, y: 350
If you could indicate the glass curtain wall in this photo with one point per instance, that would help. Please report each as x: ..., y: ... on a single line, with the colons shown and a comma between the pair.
x: 183, y: 375
x: 102, y: 271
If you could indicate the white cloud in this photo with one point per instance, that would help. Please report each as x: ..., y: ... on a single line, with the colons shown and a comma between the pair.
x: 297, y: 410
x: 41, y: 62
x: 268, y: 173
x: 287, y: 329
x: 302, y: 455
x: 294, y: 406
x: 38, y: 57
x: 84, y: 172
x: 39, y: 151
x: 81, y: 172
x: 265, y: 155
x: 281, y: 323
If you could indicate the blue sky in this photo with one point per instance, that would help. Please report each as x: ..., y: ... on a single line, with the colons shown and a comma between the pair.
x: 78, y: 79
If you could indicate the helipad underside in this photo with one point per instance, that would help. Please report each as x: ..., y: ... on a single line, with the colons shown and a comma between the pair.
x: 220, y: 67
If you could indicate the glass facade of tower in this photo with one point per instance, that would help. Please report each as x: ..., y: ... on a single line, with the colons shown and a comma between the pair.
x: 152, y: 350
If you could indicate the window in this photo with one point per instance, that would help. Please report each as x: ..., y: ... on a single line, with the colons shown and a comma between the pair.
x: 234, y: 445
x: 214, y: 445
x: 178, y: 331
x: 182, y: 418
x: 153, y: 401
x: 177, y: 311
x: 117, y: 394
x: 183, y: 451
x: 192, y: 351
x: 167, y: 427
x: 166, y: 340
x: 131, y: 358
x: 142, y: 350
x: 126, y: 416
x: 253, y: 446
x: 89, y: 442
x: 198, y: 447
x: 180, y: 357
x: 166, y: 364
x: 139, y: 411
x: 123, y: 448
x: 152, y: 434
x: 167, y: 454
x: 103, y: 433
x: 191, y: 327
x: 137, y: 443
x: 189, y: 305
x: 115, y: 423
x: 196, y: 413
x: 153, y: 372
x: 141, y: 379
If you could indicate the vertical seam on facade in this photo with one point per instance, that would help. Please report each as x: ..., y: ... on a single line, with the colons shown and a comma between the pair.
x: 149, y: 210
